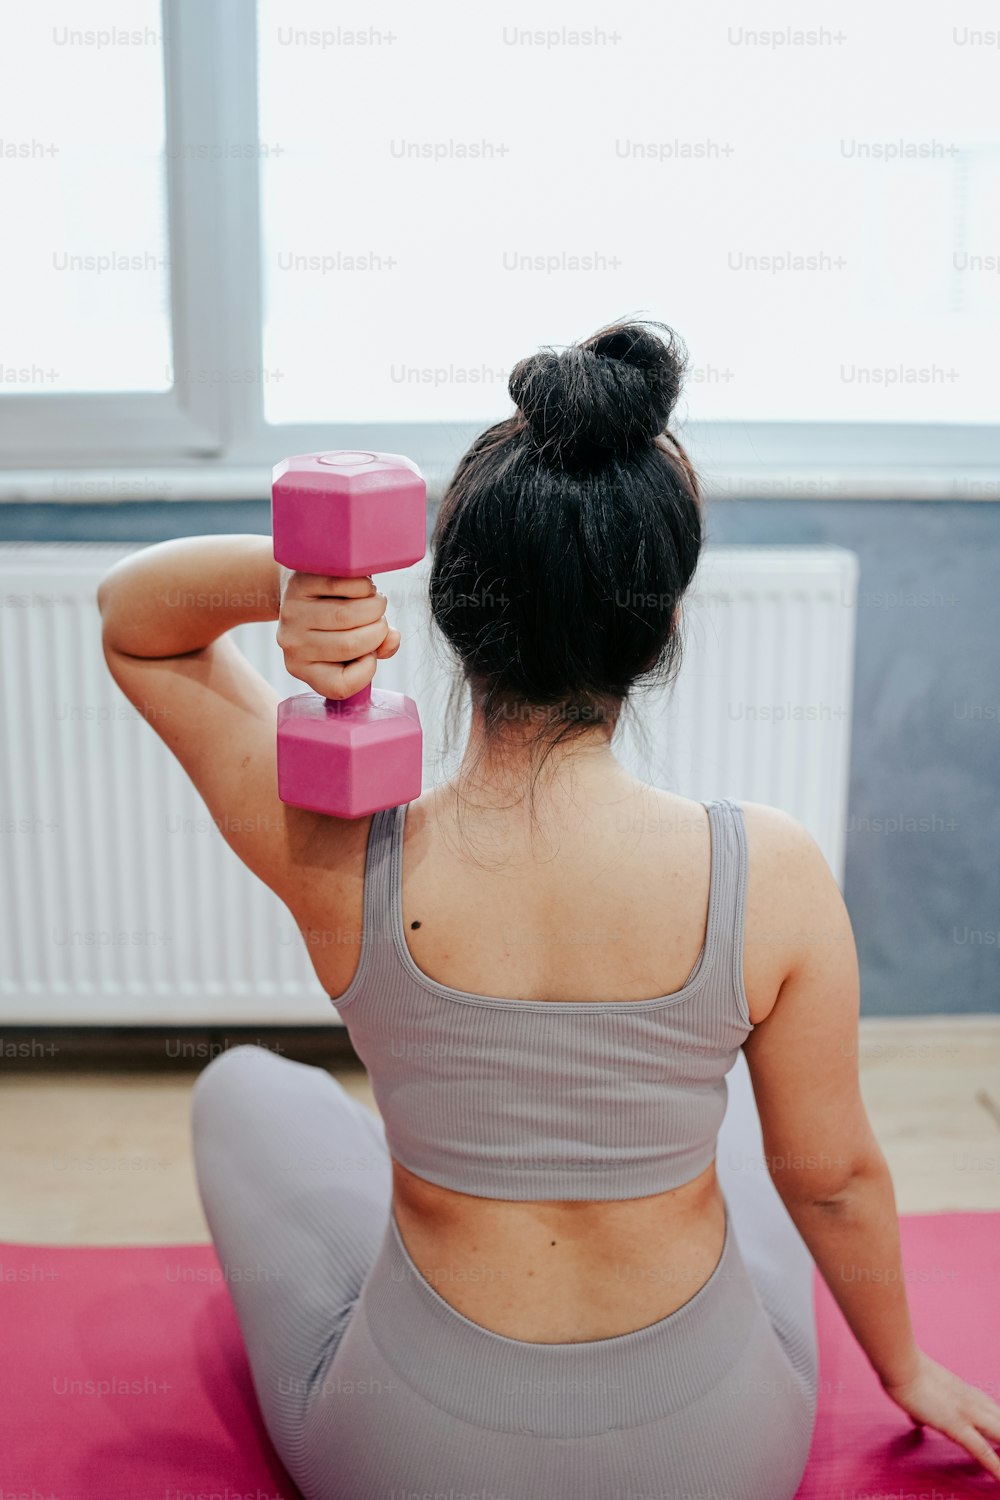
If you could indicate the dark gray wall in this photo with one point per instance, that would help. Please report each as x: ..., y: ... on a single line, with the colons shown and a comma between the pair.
x: 923, y: 841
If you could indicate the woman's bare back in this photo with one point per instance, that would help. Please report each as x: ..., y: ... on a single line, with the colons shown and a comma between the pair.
x: 599, y: 900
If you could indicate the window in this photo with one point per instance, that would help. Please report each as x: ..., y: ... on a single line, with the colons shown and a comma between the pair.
x: 487, y: 185
x: 85, y: 259
x: 344, y: 229
x: 110, y: 266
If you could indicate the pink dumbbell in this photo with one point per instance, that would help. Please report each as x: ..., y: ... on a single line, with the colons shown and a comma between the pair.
x: 348, y: 515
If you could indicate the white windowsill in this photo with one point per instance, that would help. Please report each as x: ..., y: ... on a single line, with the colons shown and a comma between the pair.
x: 253, y: 482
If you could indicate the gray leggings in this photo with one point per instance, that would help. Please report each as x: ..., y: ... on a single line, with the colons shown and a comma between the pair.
x: 373, y: 1387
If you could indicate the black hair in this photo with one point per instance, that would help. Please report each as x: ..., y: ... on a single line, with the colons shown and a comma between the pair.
x: 568, y: 535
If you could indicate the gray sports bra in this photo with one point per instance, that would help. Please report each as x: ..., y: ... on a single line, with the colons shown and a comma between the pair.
x: 537, y: 1099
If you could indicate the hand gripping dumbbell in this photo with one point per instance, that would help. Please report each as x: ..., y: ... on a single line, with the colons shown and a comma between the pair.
x: 348, y: 514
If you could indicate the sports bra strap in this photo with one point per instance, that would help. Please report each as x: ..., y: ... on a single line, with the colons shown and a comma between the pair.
x: 727, y: 902
x: 720, y: 963
x: 381, y: 881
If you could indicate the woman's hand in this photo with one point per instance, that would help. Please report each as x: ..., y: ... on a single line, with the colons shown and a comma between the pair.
x: 935, y: 1397
x: 332, y: 631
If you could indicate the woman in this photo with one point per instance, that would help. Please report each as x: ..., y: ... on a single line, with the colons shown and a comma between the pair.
x: 575, y: 1256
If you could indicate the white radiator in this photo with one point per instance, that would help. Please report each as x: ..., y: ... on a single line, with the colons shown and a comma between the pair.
x: 120, y: 900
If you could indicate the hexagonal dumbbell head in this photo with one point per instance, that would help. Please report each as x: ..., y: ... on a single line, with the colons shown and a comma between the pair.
x: 349, y: 514
x: 351, y: 758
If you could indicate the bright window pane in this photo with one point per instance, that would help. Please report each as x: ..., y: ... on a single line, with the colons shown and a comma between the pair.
x: 811, y: 200
x: 84, y: 258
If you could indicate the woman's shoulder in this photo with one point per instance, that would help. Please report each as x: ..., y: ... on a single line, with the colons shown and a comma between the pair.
x: 772, y: 830
x: 775, y: 834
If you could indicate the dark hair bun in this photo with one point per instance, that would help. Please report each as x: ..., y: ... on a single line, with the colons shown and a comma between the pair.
x: 566, y: 538
x: 606, y: 398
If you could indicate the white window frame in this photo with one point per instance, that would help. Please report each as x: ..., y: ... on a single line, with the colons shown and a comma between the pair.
x: 207, y: 437
x: 186, y: 424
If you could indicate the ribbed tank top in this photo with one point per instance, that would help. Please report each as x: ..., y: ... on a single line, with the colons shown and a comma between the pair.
x: 539, y: 1099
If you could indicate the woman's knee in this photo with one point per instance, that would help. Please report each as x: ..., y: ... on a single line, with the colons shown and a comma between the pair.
x: 228, y: 1076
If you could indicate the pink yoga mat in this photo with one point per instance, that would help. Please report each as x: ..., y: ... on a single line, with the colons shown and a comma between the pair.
x: 124, y: 1377
x: 864, y: 1447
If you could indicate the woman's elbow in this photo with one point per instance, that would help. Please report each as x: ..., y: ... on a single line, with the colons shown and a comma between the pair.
x: 109, y: 606
x: 831, y: 1180
x: 105, y: 591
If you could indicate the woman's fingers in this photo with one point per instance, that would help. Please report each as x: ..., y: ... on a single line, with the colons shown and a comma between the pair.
x: 333, y: 631
x: 324, y: 585
x: 337, y: 681
x: 362, y: 650
x: 335, y: 614
x: 980, y: 1447
x: 390, y: 645
x: 984, y: 1427
x: 348, y: 612
x: 340, y: 645
x: 342, y: 682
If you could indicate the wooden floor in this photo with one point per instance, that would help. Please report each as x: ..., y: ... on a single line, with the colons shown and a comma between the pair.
x: 104, y: 1158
